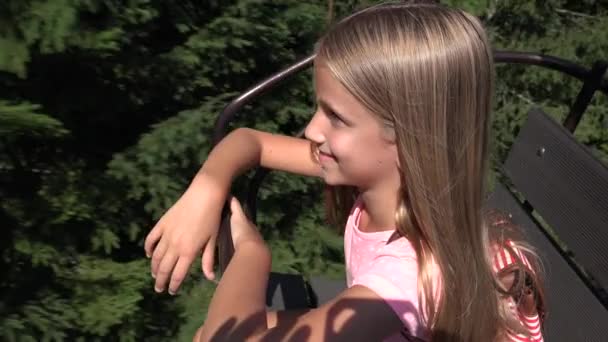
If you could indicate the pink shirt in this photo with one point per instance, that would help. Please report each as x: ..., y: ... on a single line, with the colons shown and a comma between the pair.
x: 390, y: 270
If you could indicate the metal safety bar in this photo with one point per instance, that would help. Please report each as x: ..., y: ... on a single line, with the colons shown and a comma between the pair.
x: 593, y: 80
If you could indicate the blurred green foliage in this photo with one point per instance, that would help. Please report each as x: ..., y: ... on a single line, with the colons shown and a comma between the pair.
x: 106, y: 113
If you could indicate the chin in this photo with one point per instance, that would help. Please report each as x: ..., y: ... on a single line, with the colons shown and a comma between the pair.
x: 334, y: 180
x: 333, y: 183
x: 329, y: 179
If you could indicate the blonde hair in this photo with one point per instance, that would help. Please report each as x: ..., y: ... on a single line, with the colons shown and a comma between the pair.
x: 426, y: 71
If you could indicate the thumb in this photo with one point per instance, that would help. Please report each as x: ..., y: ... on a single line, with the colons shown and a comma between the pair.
x: 235, y: 208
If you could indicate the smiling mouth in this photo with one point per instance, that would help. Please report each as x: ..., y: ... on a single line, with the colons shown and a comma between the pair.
x: 324, y: 157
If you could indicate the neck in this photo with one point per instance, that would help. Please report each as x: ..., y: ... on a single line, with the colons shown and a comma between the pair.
x: 380, y: 208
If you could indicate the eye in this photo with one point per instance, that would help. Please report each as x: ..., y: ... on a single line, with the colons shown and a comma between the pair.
x: 334, y: 118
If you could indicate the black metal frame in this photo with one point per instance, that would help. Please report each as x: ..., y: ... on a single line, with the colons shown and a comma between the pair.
x: 316, y: 289
x: 593, y: 80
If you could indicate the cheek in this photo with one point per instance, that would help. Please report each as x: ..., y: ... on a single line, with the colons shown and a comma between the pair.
x: 345, y: 145
x: 342, y: 146
x: 371, y: 158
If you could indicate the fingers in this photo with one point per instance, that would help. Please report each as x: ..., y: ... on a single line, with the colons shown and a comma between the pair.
x: 152, y: 239
x: 164, y: 271
x: 209, y: 257
x: 157, y: 256
x: 179, y: 273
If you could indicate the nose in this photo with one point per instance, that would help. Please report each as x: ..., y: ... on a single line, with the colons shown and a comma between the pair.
x: 315, y: 131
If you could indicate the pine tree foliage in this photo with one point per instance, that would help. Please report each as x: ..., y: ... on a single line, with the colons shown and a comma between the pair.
x: 106, y: 112
x: 24, y: 119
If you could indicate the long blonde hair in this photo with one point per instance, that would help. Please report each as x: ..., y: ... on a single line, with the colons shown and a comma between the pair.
x: 426, y: 71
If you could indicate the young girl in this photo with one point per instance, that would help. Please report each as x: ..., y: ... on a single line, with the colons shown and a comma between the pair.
x: 400, y: 138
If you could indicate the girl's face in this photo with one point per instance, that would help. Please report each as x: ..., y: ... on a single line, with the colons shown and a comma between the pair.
x: 351, y: 145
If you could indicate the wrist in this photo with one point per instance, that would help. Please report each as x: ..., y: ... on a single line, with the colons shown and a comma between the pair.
x: 212, y: 186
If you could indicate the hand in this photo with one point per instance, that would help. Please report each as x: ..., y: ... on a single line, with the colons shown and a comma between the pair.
x: 190, y: 225
x: 242, y: 230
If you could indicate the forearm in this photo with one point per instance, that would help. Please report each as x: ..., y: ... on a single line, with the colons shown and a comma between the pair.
x: 245, y: 148
x: 284, y: 317
x: 237, y: 153
x: 241, y: 295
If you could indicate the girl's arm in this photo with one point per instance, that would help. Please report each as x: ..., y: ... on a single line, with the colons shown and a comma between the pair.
x: 237, y: 311
x: 238, y: 306
x: 282, y: 317
x: 191, y: 224
x: 245, y: 148
x: 357, y: 314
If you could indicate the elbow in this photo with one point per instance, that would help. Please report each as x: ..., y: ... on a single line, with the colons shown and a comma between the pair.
x: 244, y: 133
x: 248, y: 136
x: 249, y: 139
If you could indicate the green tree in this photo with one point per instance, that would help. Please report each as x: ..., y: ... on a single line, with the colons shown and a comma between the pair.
x: 106, y: 113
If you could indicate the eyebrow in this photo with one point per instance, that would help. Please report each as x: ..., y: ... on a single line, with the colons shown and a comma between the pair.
x: 323, y: 104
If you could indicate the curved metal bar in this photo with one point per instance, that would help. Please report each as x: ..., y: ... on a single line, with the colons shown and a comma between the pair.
x: 254, y: 186
x: 228, y: 114
x: 583, y: 99
x: 549, y: 62
x: 527, y: 58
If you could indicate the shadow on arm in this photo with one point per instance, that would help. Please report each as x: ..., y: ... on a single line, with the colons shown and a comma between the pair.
x: 357, y: 314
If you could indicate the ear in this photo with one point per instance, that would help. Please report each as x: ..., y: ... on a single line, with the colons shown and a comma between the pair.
x: 390, y: 137
x: 398, y: 162
x: 395, y: 151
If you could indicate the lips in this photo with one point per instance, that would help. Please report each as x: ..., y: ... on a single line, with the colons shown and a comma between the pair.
x: 325, y: 157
